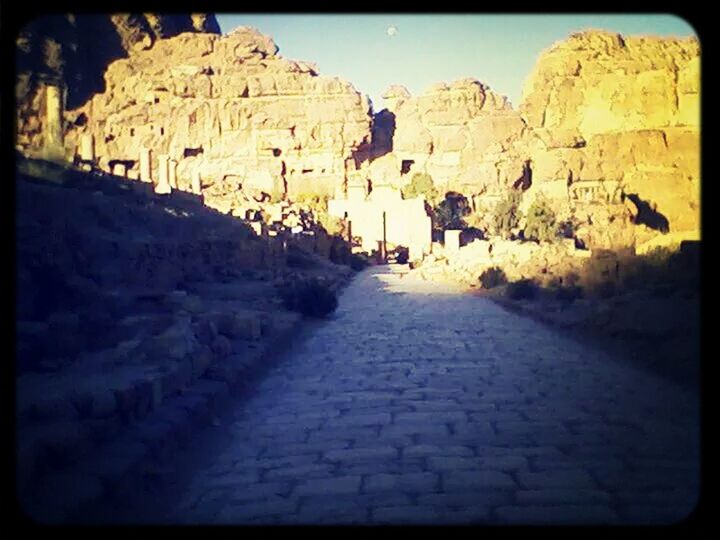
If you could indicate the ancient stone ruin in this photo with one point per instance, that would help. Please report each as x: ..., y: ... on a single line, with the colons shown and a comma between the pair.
x: 607, y: 126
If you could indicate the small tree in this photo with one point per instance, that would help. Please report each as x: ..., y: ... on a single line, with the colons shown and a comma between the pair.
x: 420, y: 184
x: 450, y: 213
x: 541, y: 222
x: 493, y: 277
x: 506, y: 215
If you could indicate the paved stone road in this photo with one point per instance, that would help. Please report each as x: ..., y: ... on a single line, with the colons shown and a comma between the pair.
x: 417, y: 404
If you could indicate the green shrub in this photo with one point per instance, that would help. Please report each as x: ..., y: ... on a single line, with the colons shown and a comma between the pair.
x: 506, y: 215
x: 451, y: 211
x: 493, y: 277
x: 523, y: 289
x: 358, y: 262
x: 309, y: 297
x: 541, y: 224
x: 569, y: 293
x: 299, y: 258
x: 605, y: 289
x: 420, y: 184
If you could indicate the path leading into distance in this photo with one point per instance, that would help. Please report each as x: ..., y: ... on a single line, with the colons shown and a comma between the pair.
x: 416, y: 403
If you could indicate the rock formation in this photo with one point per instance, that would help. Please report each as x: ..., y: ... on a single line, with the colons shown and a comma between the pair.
x: 610, y: 126
x: 607, y: 130
x: 458, y: 133
x: 604, y: 107
x: 73, y: 51
x: 228, y: 109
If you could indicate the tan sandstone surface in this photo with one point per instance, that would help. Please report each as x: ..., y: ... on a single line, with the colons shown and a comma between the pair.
x: 230, y: 110
x: 609, y: 126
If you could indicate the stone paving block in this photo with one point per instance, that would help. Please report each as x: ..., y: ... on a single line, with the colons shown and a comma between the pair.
x: 556, y: 496
x: 354, y: 419
x: 438, y: 430
x: 509, y: 462
x: 385, y: 466
x: 310, y: 447
x: 278, y: 462
x: 312, y: 470
x: 427, y: 450
x: 260, y: 491
x: 431, y: 417
x: 567, y: 478
x: 452, y: 463
x: 240, y: 513
x: 405, y: 515
x: 422, y: 482
x: 329, y: 486
x: 480, y: 497
x: 343, y: 502
x: 453, y: 480
x: 370, y: 453
x: 233, y: 479
x: 346, y: 433
x: 557, y: 515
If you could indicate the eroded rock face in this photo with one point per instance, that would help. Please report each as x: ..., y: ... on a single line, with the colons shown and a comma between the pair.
x: 601, y: 106
x: 601, y: 114
x: 229, y: 109
x: 73, y: 51
x: 459, y: 133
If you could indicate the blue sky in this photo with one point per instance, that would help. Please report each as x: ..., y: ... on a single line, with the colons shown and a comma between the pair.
x: 499, y: 50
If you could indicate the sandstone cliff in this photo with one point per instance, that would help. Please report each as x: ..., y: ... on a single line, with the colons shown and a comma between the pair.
x: 609, y: 125
x: 229, y: 109
x: 459, y: 133
x: 74, y: 50
x: 606, y: 107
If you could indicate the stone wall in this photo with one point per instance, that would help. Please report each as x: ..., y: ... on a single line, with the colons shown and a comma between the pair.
x: 609, y: 126
x: 383, y: 215
x: 459, y: 133
x: 601, y: 106
x: 72, y: 52
x: 229, y: 110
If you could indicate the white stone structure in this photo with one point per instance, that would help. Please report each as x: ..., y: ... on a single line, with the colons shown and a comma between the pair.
x: 172, y: 173
x: 53, y: 128
x: 452, y: 240
x: 145, y: 165
x: 406, y: 222
x: 87, y: 147
x: 196, y: 184
x: 163, y: 185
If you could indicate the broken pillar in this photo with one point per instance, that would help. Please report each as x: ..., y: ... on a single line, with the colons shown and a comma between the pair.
x: 163, y: 185
x: 172, y: 173
x: 452, y: 240
x: 196, y: 184
x: 87, y: 147
x: 415, y: 252
x: 145, y: 165
x: 54, y: 149
x: 119, y: 169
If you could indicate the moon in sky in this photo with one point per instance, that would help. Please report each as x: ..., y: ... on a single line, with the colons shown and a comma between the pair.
x: 391, y: 31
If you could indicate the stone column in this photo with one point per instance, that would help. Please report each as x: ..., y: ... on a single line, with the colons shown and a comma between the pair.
x: 87, y: 147
x: 172, y: 173
x: 163, y: 185
x: 53, y: 123
x: 452, y: 240
x: 196, y: 184
x: 119, y: 169
x: 145, y: 165
x: 415, y: 252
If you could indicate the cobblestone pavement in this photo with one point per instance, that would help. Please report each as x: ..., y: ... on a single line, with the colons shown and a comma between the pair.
x: 419, y: 404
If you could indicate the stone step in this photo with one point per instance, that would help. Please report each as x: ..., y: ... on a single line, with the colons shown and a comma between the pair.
x: 133, y: 459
